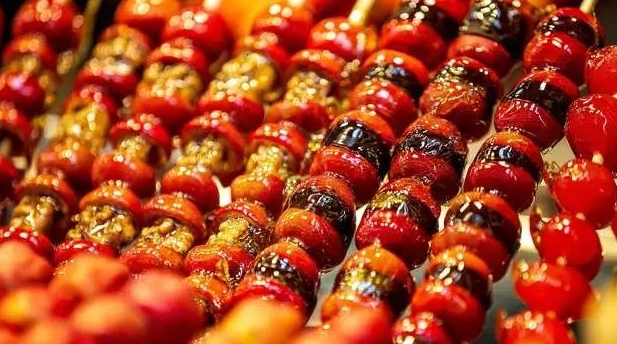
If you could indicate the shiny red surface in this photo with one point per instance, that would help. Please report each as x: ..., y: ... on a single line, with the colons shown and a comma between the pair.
x: 586, y: 188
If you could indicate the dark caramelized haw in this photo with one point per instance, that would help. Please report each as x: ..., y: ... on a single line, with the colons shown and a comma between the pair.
x: 533, y: 327
x: 432, y: 150
x: 561, y: 42
x: 600, y: 70
x: 585, y: 188
x: 509, y: 165
x: 402, y: 218
x: 356, y: 149
x: 464, y: 92
x: 283, y: 272
x: 569, y: 290
x: 326, y: 205
x: 424, y: 28
x: 372, y: 278
x: 537, y: 106
x: 483, y: 224
x: 494, y: 33
x: 591, y: 128
x: 458, y: 275
x: 559, y: 241
x: 393, y: 81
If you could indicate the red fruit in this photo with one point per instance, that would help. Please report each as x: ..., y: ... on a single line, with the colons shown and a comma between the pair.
x: 362, y: 326
x: 75, y: 160
x: 23, y: 90
x: 167, y: 302
x: 67, y: 250
x: 141, y: 258
x: 533, y: 327
x: 401, y: 217
x: 462, y: 315
x: 88, y: 276
x: 537, y: 107
x: 256, y: 319
x: 343, y: 39
x: 207, y: 30
x: 509, y: 165
x: 37, y: 242
x: 559, y: 241
x: 53, y: 331
x: 110, y: 319
x: 148, y: 16
x: 433, y: 150
x: 8, y: 177
x: 489, y: 52
x: 602, y: 70
x: 194, y: 184
x: 421, y: 327
x: 10, y: 337
x: 582, y: 187
x: 55, y: 19
x: 568, y: 289
x: 26, y: 306
x: 290, y: 24
x: 21, y: 266
x: 591, y: 128
x: 561, y: 43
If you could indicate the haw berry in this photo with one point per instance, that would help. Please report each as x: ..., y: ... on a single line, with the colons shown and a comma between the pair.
x: 568, y: 289
x: 568, y: 240
x: 583, y: 187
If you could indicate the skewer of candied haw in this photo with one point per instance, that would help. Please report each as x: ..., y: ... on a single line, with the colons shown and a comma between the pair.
x: 2, y: 28
x: 321, y: 73
x: 213, y: 146
x: 423, y: 29
x: 163, y: 103
x: 111, y: 215
x: 538, y: 103
x: 29, y: 75
x: 561, y: 42
x: 277, y: 151
x: 253, y: 76
x: 243, y: 229
x: 47, y: 200
x: 509, y: 165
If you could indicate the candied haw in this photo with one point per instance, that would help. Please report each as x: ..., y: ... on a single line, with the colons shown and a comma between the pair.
x: 420, y: 327
x: 601, y: 70
x: 559, y: 241
x: 509, y: 165
x: 569, y: 290
x: 561, y: 43
x: 537, y: 107
x: 533, y: 327
x: 432, y: 150
x: 583, y: 187
x: 591, y: 128
x: 401, y: 217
